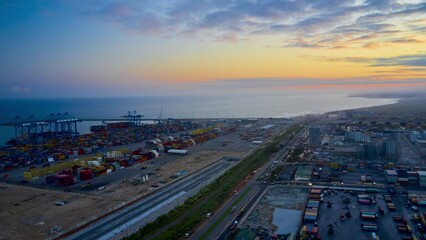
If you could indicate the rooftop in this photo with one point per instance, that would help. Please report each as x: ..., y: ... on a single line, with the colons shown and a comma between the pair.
x: 391, y: 172
x: 304, y: 171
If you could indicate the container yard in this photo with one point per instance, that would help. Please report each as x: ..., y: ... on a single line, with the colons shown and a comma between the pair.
x: 90, y: 152
x: 24, y: 202
x: 102, y: 179
x: 26, y: 154
x: 362, y: 213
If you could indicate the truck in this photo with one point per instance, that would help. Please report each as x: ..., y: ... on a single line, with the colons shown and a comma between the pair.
x: 388, y: 198
x: 369, y: 227
x: 368, y: 215
x: 374, y: 236
x: 240, y: 213
x: 234, y: 225
x: 391, y: 207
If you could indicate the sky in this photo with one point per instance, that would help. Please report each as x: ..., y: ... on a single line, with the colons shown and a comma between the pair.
x: 84, y: 48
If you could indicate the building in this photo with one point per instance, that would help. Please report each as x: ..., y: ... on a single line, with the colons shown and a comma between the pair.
x: 421, y: 145
x: 371, y: 150
x: 326, y: 140
x: 390, y: 150
x: 414, y: 136
x: 303, y: 173
x: 422, y: 178
x: 345, y: 151
x: 314, y: 136
x: 357, y: 136
x: 391, y: 176
x: 413, y: 177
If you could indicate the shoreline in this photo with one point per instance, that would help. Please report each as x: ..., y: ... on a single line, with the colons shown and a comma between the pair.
x: 385, y: 101
x: 382, y: 102
x: 404, y: 105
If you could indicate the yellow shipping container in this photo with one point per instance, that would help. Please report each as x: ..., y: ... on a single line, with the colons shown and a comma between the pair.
x: 42, y: 172
x: 28, y: 176
x: 34, y: 172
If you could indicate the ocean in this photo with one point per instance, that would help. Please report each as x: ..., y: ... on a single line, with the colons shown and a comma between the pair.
x: 225, y: 106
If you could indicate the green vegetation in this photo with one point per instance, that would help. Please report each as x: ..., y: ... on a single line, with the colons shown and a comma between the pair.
x: 275, y: 173
x: 183, y: 218
x: 294, y: 155
x: 226, y: 213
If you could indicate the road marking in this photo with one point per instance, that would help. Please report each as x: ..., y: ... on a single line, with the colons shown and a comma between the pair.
x: 142, y: 216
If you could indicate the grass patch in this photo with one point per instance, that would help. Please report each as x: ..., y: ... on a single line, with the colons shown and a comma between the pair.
x: 275, y: 173
x: 226, y: 213
x: 186, y: 216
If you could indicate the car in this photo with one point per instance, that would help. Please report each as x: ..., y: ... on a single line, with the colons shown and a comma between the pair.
x: 59, y: 203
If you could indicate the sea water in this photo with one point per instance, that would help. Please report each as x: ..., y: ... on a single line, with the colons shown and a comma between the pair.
x: 224, y: 106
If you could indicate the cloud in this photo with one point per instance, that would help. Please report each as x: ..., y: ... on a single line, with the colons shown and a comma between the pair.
x: 133, y: 17
x: 405, y: 60
x: 230, y: 38
x: 350, y: 23
x: 417, y: 62
x: 277, y: 85
x: 302, y: 43
x: 419, y: 29
x: 405, y: 40
x: 371, y: 45
x: 419, y: 69
x: 347, y: 59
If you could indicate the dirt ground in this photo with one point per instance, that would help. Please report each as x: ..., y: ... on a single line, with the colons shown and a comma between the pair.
x: 134, y: 187
x: 31, y: 213
x: 275, y: 197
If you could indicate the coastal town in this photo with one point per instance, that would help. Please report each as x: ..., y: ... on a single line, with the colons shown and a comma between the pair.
x: 311, y: 177
x: 213, y: 120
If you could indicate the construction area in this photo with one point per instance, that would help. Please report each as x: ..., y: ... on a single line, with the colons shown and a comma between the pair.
x: 278, y: 212
x: 137, y: 186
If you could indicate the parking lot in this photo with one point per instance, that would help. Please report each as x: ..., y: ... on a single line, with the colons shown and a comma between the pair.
x: 386, y: 225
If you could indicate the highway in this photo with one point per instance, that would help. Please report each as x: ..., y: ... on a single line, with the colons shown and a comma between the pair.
x: 248, y: 206
x: 135, y: 214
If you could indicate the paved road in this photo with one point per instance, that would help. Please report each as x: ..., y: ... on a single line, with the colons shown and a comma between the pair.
x: 124, y: 219
x: 256, y: 189
x: 248, y: 206
x: 408, y: 154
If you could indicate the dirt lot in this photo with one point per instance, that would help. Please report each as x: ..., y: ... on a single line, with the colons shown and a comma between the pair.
x: 135, y: 188
x: 31, y: 213
x: 276, y: 197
